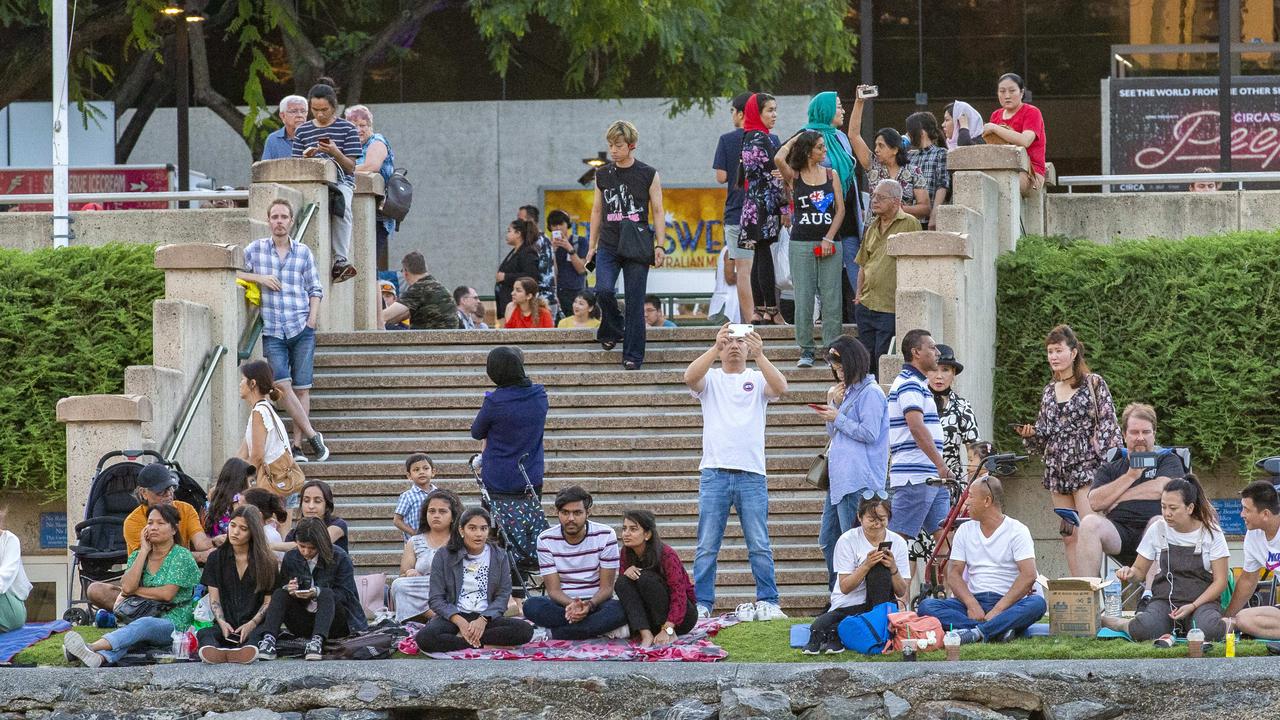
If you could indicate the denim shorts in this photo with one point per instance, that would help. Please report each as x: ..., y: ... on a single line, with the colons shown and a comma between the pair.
x: 292, y: 359
x: 918, y: 507
x: 731, y: 235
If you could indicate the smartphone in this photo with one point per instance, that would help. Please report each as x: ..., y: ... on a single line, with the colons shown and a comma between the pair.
x: 304, y: 583
x: 818, y: 407
x: 869, y: 92
x: 1014, y: 426
x: 556, y: 234
x: 740, y: 329
x: 885, y: 547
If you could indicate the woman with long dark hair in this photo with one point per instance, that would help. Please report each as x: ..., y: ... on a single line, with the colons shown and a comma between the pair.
x: 1019, y: 123
x: 762, y: 203
x: 1188, y: 546
x: 470, y: 589
x: 320, y: 600
x: 327, y: 134
x: 857, y: 418
x: 653, y: 586
x: 527, y: 308
x: 233, y: 479
x: 929, y: 158
x: 888, y: 161
x: 240, y: 577
x: 521, y: 261
x: 411, y: 591
x: 1074, y: 430
x: 317, y: 502
x: 816, y: 251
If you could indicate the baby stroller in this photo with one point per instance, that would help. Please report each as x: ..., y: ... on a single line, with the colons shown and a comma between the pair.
x: 518, y: 522
x: 99, y: 553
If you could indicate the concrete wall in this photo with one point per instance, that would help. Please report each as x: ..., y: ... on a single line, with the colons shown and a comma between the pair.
x: 1103, y: 218
x: 29, y: 231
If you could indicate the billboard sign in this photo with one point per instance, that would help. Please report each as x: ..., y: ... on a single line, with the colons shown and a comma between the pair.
x: 110, y: 179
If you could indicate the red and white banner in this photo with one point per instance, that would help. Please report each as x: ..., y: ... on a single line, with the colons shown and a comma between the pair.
x: 108, y: 179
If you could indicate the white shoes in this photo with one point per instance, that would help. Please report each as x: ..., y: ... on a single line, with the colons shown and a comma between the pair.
x: 74, y: 647
x: 619, y: 633
x: 540, y: 634
x: 746, y: 612
x: 704, y: 612
x: 766, y: 611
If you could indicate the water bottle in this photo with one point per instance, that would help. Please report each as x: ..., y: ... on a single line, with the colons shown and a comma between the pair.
x: 1111, y: 598
x: 180, y: 652
x: 909, y: 648
x: 951, y: 643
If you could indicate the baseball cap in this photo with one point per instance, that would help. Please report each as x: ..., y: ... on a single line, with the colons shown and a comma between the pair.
x: 386, y: 286
x: 157, y: 477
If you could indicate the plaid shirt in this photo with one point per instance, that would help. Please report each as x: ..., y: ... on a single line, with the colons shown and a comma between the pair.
x: 932, y: 165
x: 284, y: 313
x: 409, y: 506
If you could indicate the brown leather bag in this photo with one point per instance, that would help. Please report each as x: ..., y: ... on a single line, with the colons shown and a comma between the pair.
x: 281, y: 476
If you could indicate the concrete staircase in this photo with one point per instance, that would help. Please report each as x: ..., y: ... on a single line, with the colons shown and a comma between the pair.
x: 633, y: 439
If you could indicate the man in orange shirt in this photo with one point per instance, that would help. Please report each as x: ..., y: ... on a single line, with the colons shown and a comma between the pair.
x: 156, y: 486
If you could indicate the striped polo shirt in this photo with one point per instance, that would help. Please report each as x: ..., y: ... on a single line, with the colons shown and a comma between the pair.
x: 907, y: 462
x: 578, y: 565
x: 342, y: 133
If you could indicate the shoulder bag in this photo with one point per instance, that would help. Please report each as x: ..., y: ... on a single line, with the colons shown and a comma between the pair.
x: 635, y: 240
x: 281, y: 476
x: 134, y: 607
x: 818, y: 474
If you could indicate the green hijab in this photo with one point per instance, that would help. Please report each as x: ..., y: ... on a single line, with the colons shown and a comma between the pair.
x: 822, y: 110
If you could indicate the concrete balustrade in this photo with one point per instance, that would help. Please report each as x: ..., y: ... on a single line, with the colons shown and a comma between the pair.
x: 96, y: 425
x: 1002, y: 164
x: 364, y: 250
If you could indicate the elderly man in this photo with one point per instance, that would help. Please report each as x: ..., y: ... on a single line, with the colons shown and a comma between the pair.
x: 293, y: 112
x: 1125, y: 498
x: 878, y: 271
x: 470, y: 309
x: 992, y: 573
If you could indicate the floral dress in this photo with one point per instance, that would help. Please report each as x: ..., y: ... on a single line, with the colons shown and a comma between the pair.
x: 762, y: 197
x: 959, y: 428
x: 908, y: 176
x: 1074, y: 436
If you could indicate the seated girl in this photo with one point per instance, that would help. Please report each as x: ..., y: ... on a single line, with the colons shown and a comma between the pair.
x: 317, y: 502
x: 470, y: 589
x: 240, y: 577
x: 1191, y: 552
x: 320, y: 600
x: 653, y: 587
x: 411, y: 591
x: 233, y: 480
x: 160, y: 571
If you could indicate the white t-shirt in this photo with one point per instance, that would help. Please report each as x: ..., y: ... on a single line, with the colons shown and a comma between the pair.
x: 578, y: 565
x: 275, y: 445
x: 724, y: 298
x: 1212, y: 544
x: 1259, y: 552
x: 991, y: 563
x: 273, y: 537
x: 733, y: 408
x: 473, y: 597
x: 851, y: 551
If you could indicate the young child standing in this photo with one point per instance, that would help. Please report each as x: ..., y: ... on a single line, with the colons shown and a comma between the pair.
x: 420, y: 470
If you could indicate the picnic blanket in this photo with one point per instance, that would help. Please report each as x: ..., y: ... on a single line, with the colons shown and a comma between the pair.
x: 696, y: 646
x: 15, y: 641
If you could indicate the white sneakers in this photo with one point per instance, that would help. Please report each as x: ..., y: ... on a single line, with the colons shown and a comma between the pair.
x: 760, y: 610
x: 540, y: 634
x: 75, y: 648
x: 619, y: 633
x: 704, y: 612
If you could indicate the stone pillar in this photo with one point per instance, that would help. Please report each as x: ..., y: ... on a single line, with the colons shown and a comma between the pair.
x: 364, y: 250
x: 206, y: 275
x: 309, y: 178
x: 1003, y: 164
x: 96, y: 425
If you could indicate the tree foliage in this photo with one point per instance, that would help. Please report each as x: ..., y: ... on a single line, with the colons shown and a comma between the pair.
x: 1188, y: 326
x: 73, y: 320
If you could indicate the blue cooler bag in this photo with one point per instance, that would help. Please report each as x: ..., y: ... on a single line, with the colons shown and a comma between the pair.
x: 868, y: 632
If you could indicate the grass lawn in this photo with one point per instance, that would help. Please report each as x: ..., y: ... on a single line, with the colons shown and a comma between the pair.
x: 768, y: 642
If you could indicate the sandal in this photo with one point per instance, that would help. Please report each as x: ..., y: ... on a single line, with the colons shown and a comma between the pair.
x: 757, y: 318
x: 608, y: 344
x: 774, y: 316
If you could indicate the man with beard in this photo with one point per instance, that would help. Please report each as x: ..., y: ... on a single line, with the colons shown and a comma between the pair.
x: 1126, y: 499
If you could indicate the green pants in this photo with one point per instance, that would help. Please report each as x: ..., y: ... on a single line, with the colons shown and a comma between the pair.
x: 816, y: 277
x: 13, y: 612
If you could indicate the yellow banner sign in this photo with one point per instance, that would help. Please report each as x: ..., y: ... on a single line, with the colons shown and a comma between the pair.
x: 695, y: 221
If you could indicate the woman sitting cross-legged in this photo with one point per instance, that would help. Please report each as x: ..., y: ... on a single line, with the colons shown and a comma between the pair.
x: 1191, y: 552
x: 653, y: 587
x: 320, y: 600
x: 871, y: 568
x: 158, y: 571
x: 470, y: 589
x: 412, y: 590
x: 241, y: 577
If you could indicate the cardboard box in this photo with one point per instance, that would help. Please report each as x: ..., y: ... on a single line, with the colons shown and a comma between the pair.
x: 1074, y: 606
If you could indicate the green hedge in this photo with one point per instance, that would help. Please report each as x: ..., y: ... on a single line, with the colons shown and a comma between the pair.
x: 1190, y: 326
x: 72, y: 320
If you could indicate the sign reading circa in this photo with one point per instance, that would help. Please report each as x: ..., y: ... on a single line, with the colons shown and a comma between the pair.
x: 1170, y: 125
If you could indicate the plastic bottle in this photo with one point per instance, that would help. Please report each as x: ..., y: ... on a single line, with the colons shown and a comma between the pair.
x: 1195, y: 641
x: 951, y: 642
x: 180, y: 651
x: 1231, y: 644
x: 1111, y: 598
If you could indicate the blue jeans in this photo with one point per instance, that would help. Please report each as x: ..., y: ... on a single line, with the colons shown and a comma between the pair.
x: 613, y: 326
x: 292, y: 359
x: 849, y: 248
x: 837, y: 520
x: 875, y: 330
x: 718, y: 491
x: 918, y: 507
x: 547, y: 613
x: 1017, y: 617
x: 143, y: 631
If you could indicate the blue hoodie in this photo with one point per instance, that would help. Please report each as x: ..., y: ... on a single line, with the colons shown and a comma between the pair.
x: 859, y: 456
x: 511, y: 420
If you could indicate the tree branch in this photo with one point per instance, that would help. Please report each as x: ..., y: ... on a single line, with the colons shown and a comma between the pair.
x: 202, y: 86
x: 155, y: 91
x: 353, y: 71
x: 305, y: 60
x: 31, y: 61
x: 136, y: 80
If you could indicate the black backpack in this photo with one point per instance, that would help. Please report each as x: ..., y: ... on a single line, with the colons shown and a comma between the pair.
x: 397, y: 196
x: 373, y: 645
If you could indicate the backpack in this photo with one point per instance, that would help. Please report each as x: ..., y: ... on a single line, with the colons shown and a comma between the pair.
x: 397, y: 196
x: 376, y: 645
x: 867, y: 633
x: 921, y: 627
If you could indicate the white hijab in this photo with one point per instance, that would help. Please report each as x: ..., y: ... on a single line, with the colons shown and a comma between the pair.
x: 972, y: 118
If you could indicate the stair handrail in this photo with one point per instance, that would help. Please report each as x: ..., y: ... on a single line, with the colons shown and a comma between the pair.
x: 182, y: 423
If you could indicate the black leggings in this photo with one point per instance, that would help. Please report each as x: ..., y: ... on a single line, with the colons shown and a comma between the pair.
x: 879, y: 583
x: 646, y: 602
x: 441, y: 635
x: 764, y: 286
x: 328, y: 621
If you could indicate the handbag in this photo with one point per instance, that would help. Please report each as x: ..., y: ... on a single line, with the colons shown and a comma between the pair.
x: 817, y: 475
x: 135, y: 607
x: 635, y: 243
x: 372, y: 590
x: 397, y: 196
x: 337, y: 201
x: 281, y: 476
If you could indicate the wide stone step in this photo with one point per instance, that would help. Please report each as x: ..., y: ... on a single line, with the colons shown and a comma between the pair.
x: 669, y: 507
x: 356, y: 404
x: 555, y: 467
x: 683, y: 527
x: 785, y: 550
x: 613, y: 485
x: 595, y: 443
x: 771, y: 334
x: 377, y: 377
x: 431, y: 358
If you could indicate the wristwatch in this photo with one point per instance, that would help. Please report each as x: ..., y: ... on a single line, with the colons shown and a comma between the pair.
x: 671, y: 631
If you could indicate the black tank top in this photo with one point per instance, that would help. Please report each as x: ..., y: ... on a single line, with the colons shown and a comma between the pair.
x: 625, y: 192
x: 815, y: 205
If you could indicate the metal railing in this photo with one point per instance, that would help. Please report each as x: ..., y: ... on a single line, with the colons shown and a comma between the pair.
x: 181, y: 424
x: 1070, y: 181
x: 189, y: 195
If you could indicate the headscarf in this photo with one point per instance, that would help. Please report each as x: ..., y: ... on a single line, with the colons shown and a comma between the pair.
x: 822, y: 110
x: 974, y: 121
x: 505, y: 366
x: 751, y: 115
